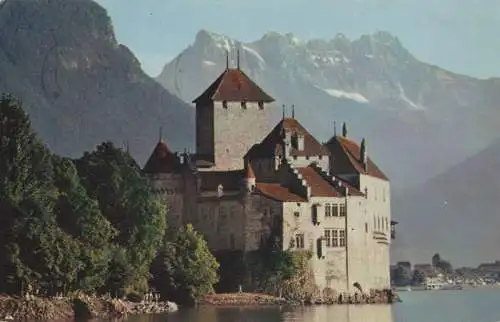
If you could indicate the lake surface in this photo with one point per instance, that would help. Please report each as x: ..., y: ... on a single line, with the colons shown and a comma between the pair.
x: 476, y: 305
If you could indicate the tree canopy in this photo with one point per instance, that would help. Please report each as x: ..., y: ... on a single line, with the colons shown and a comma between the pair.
x: 92, y: 224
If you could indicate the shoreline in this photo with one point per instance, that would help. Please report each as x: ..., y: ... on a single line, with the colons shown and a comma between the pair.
x: 262, y: 300
x: 83, y: 306
x: 66, y: 309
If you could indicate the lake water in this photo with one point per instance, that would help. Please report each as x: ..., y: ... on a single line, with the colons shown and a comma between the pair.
x: 476, y: 305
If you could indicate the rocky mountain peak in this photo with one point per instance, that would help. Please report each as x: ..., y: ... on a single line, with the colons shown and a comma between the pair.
x: 79, y: 86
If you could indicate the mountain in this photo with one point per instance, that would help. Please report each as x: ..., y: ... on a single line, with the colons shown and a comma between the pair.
x: 408, y: 110
x: 456, y: 214
x: 79, y: 85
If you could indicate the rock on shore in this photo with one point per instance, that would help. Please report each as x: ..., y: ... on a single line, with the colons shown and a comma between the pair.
x: 46, y: 309
x: 260, y: 299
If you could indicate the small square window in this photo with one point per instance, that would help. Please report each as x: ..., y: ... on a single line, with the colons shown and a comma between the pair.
x: 244, y: 104
x: 296, y: 214
x: 261, y: 105
x: 224, y: 104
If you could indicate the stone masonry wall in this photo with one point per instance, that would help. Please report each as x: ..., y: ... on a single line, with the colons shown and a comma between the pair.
x: 236, y: 130
x: 170, y: 187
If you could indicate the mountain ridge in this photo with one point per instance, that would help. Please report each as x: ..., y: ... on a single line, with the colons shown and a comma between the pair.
x: 464, y: 200
x: 79, y: 85
x: 373, y: 83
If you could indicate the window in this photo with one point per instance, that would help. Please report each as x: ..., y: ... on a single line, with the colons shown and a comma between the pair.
x: 328, y: 210
x: 299, y: 241
x: 366, y: 227
x: 384, y: 195
x: 224, y: 104
x: 328, y: 237
x: 320, y: 157
x: 296, y: 214
x: 342, y: 210
x: 335, y: 210
x: 307, y: 157
x: 261, y: 105
x: 335, y: 238
x: 342, y: 238
x: 366, y: 193
x: 244, y: 104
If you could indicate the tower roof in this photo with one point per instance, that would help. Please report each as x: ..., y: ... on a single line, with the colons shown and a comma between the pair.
x: 233, y: 85
x: 162, y: 160
x: 347, y: 158
x: 250, y: 174
x: 272, y: 145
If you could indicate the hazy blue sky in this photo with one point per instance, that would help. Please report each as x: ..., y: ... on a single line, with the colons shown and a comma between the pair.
x: 460, y: 35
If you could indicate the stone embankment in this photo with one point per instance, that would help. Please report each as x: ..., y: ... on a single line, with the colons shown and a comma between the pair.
x: 82, y: 306
x: 259, y: 299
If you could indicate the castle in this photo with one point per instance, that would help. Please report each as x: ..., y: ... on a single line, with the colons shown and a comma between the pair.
x: 247, y: 175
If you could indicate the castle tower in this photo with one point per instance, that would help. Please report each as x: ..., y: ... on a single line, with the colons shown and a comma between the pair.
x: 165, y: 170
x: 250, y: 179
x: 232, y: 115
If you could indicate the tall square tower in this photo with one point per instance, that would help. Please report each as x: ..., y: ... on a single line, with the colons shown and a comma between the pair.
x: 232, y: 115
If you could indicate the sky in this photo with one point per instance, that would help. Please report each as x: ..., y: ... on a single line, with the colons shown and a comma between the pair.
x: 458, y: 35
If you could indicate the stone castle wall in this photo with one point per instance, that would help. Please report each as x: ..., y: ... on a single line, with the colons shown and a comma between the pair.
x: 228, y: 133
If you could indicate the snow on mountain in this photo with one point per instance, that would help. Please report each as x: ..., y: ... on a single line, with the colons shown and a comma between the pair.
x: 409, y: 111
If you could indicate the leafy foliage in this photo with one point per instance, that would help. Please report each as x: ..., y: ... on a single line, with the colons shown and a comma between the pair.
x: 185, y: 269
x: 271, y: 267
x: 91, y: 224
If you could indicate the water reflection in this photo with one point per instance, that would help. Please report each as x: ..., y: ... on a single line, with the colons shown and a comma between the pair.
x: 341, y: 313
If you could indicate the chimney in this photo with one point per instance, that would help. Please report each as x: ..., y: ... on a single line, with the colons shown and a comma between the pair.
x: 293, y: 111
x: 344, y: 130
x: 364, y: 154
x: 227, y: 59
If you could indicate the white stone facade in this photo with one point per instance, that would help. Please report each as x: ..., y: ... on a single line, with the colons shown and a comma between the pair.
x: 342, y: 218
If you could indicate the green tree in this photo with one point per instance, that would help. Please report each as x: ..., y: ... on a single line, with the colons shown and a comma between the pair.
x: 185, y: 269
x: 33, y: 244
x: 126, y: 200
x: 79, y: 216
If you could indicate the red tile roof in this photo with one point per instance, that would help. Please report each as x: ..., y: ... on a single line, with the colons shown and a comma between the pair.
x: 277, y: 192
x: 272, y: 145
x: 162, y: 160
x: 322, y: 187
x: 233, y: 85
x: 346, y: 158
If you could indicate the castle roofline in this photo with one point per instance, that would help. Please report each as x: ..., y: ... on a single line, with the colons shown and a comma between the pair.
x: 233, y: 85
x: 272, y: 144
x: 348, y: 160
x: 162, y: 160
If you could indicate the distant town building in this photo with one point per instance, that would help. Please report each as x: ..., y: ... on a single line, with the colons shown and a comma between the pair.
x: 248, y: 177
